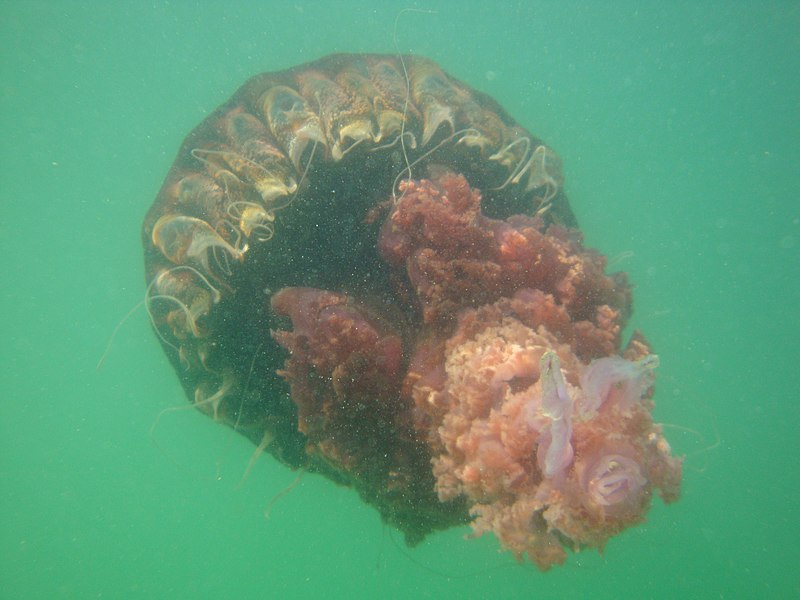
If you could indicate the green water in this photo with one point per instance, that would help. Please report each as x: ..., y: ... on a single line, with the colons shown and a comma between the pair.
x: 679, y: 128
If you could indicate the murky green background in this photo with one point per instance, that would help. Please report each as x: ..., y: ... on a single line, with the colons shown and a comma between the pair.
x: 678, y: 124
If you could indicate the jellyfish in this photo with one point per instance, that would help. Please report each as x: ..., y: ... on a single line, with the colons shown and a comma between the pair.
x: 372, y: 271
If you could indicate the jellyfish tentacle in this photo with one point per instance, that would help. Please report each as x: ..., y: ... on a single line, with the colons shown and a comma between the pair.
x: 184, y: 239
x: 146, y: 301
x: 191, y: 300
x: 359, y: 126
x: 215, y: 169
x: 425, y: 155
x: 201, y: 400
x: 544, y: 171
x: 505, y: 157
x: 216, y: 295
x: 412, y: 144
x: 305, y: 172
x: 252, y: 218
x: 266, y: 439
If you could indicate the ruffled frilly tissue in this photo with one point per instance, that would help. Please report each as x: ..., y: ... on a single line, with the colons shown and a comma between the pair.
x: 550, y: 451
x: 510, y: 385
x: 530, y: 412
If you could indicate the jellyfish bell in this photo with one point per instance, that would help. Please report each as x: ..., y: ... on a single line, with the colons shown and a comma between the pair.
x: 372, y: 271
